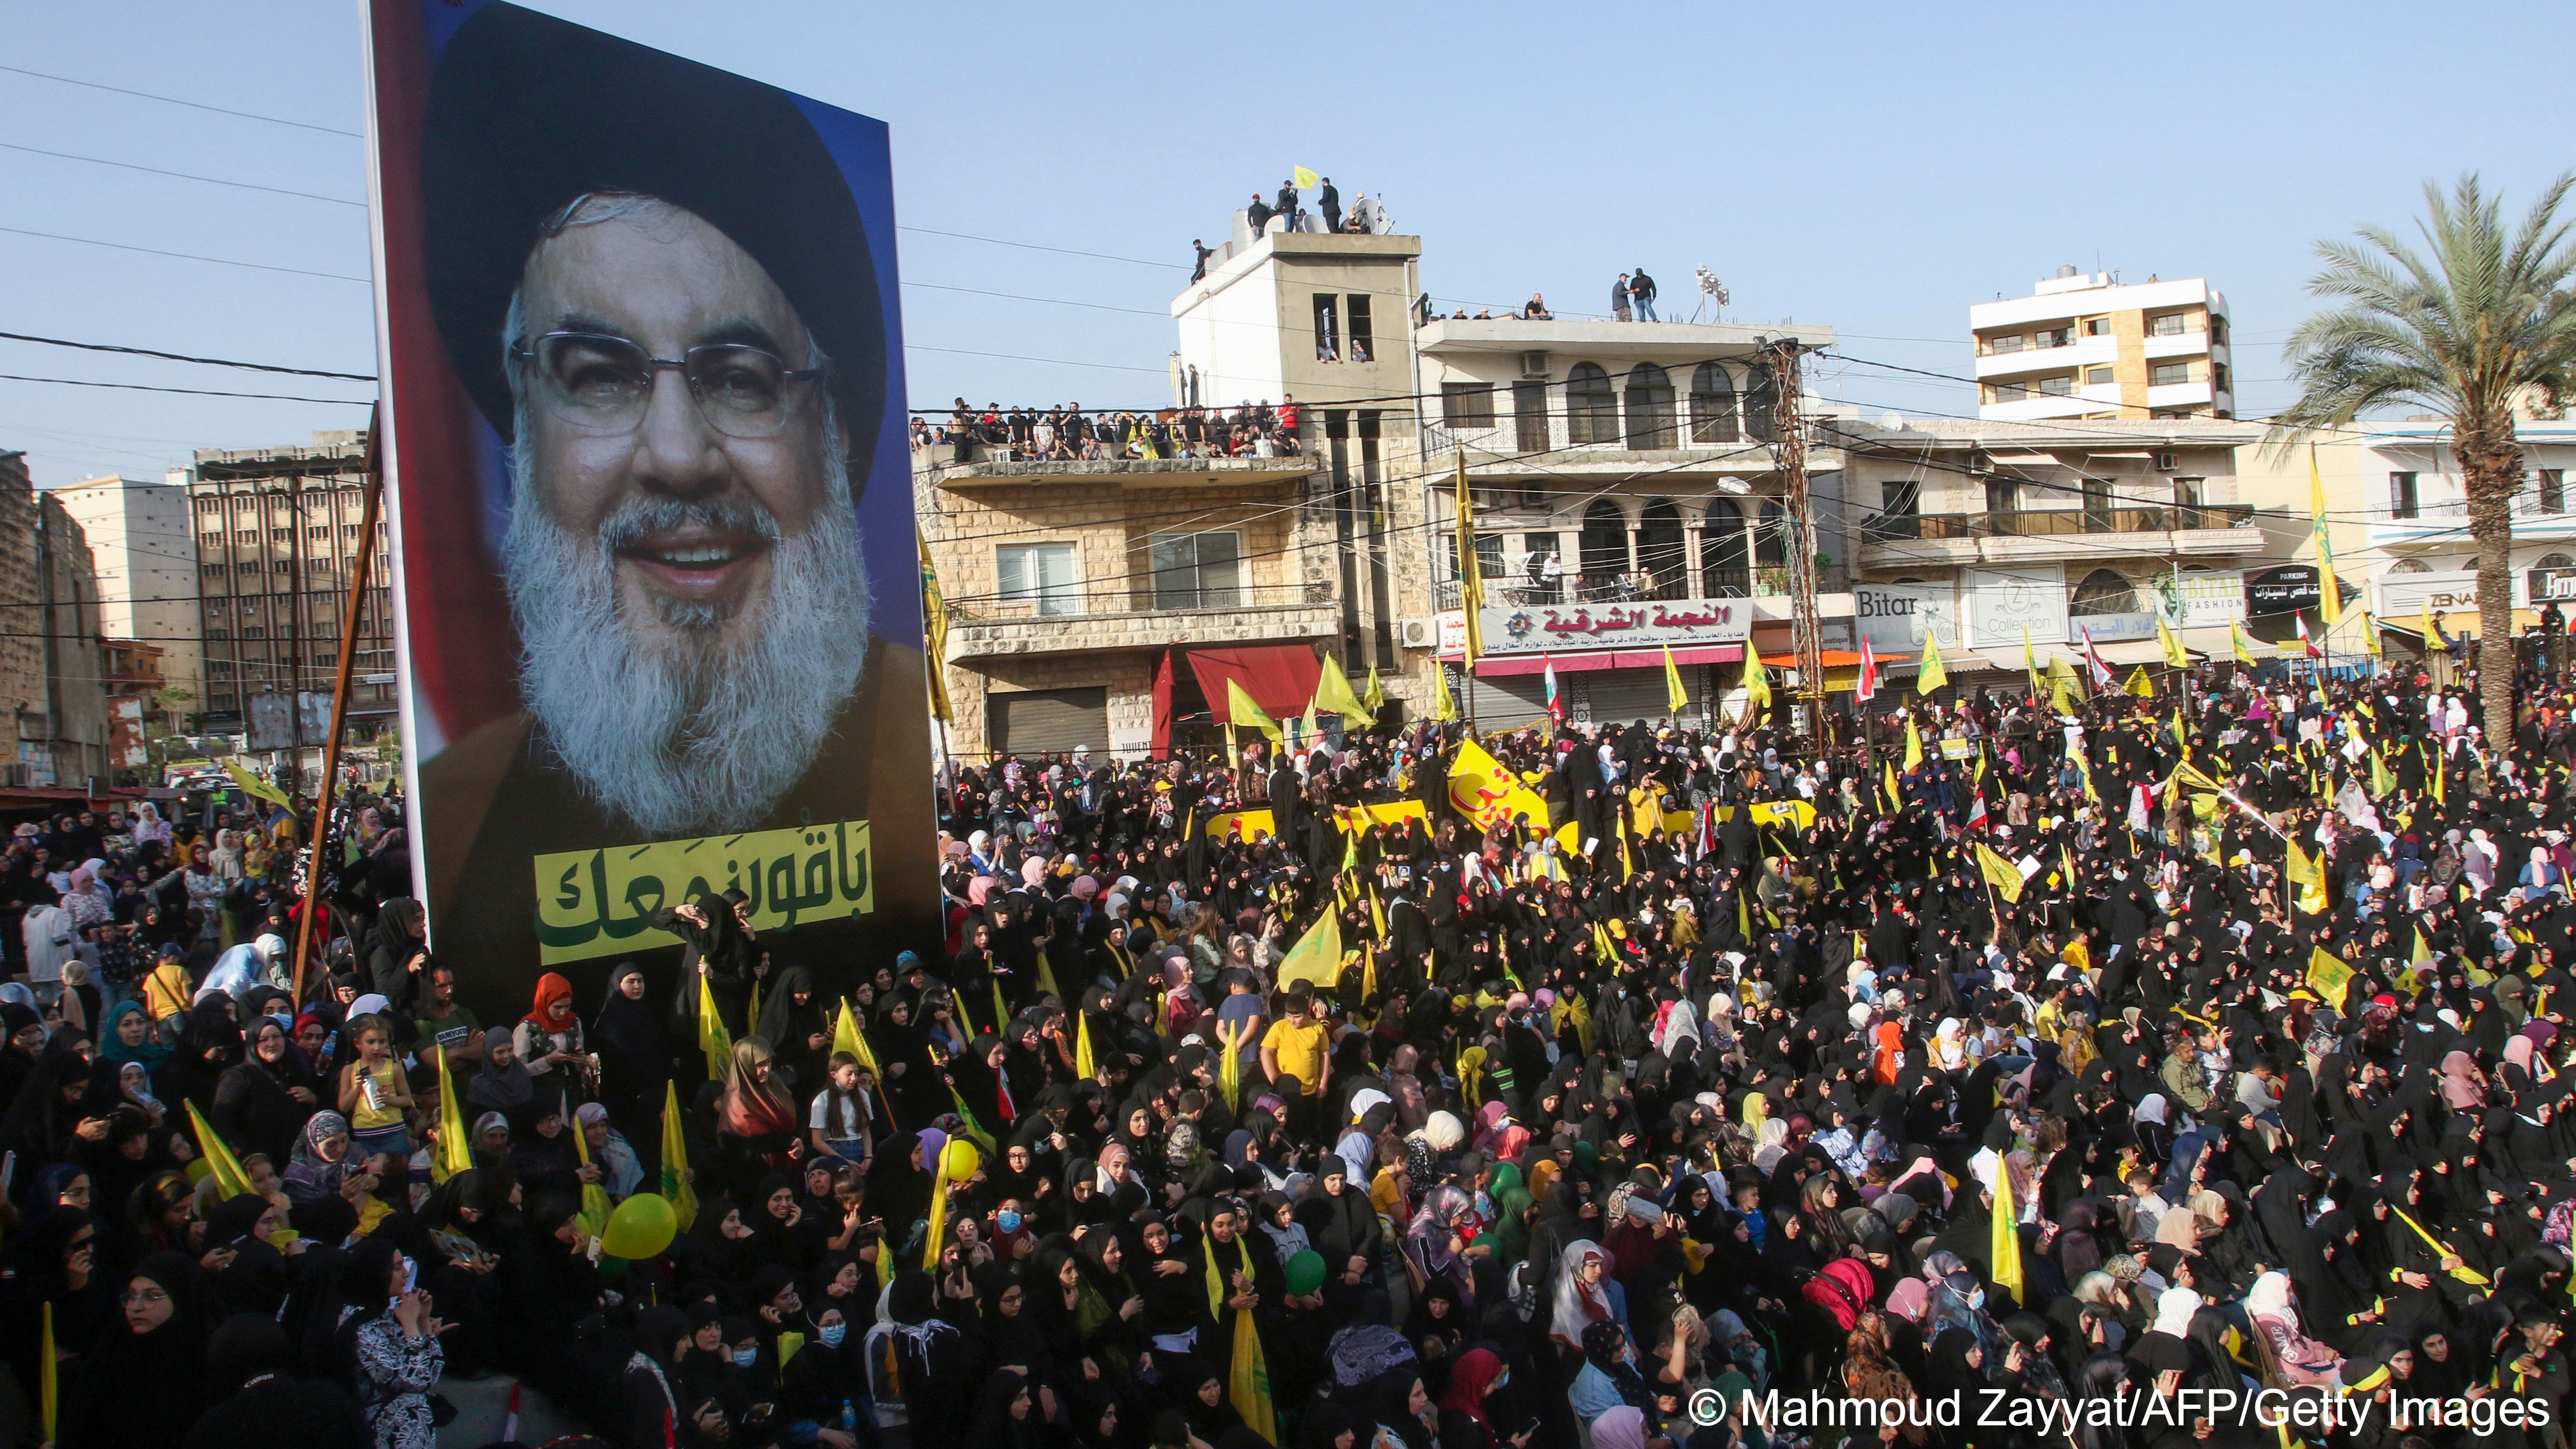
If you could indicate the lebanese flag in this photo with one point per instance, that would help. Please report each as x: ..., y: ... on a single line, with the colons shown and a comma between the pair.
x: 2102, y: 676
x: 2305, y: 642
x: 1977, y: 813
x: 1866, y: 689
x: 1555, y: 708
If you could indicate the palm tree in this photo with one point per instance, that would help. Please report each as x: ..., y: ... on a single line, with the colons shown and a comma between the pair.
x: 2482, y: 325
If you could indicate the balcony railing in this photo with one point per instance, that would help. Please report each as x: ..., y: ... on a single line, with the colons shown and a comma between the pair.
x: 1715, y: 430
x: 1047, y: 606
x: 2053, y: 522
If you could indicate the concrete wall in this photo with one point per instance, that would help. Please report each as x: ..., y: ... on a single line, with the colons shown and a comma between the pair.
x: 140, y: 538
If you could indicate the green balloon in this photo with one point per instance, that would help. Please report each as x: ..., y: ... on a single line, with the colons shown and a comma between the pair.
x: 642, y: 1227
x: 1305, y: 1272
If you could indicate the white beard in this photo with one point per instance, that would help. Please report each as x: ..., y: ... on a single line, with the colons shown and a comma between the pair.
x: 704, y: 736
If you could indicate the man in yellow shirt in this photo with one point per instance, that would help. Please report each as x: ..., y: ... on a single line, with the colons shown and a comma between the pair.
x: 1295, y: 1046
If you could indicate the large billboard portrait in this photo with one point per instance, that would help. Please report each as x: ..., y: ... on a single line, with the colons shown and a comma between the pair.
x: 651, y: 506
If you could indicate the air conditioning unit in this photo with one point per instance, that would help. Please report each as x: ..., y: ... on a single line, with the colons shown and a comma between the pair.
x: 1533, y: 364
x: 2168, y: 462
x: 1980, y: 463
x: 1417, y: 633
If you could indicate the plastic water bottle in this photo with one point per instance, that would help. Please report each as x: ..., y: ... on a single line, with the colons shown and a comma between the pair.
x: 849, y: 1416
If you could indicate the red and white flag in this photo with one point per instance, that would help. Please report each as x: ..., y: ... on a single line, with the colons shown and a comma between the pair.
x: 2103, y: 678
x: 1866, y: 689
x: 1555, y: 709
x: 2305, y: 642
x: 1977, y: 813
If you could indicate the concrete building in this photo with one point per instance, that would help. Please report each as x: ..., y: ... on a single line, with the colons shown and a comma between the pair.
x: 1628, y: 499
x: 1984, y: 533
x: 2413, y: 510
x: 2084, y: 345
x: 53, y: 711
x: 276, y: 543
x: 147, y: 571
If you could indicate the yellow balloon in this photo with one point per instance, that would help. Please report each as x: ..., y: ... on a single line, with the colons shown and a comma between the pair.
x: 961, y: 1160
x: 641, y: 1227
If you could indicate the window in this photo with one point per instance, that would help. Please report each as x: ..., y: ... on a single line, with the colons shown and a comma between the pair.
x: 1529, y: 416
x: 348, y: 530
x: 1591, y: 409
x: 254, y: 631
x: 1328, y: 340
x: 1771, y: 538
x: 2188, y: 494
x: 247, y: 535
x: 1761, y: 395
x: 215, y: 606
x: 1650, y: 412
x: 283, y: 565
x: 1040, y: 574
x: 2097, y: 505
x: 2402, y: 500
x: 2553, y: 490
x: 1725, y: 568
x: 2168, y: 374
x: 212, y: 540
x: 1662, y: 551
x: 2103, y: 592
x: 1363, y: 341
x: 2168, y: 325
x: 2097, y: 326
x: 2218, y: 377
x: 2057, y: 387
x: 2057, y: 337
x: 1489, y: 562
x: 281, y: 535
x: 318, y: 530
x: 220, y: 668
x: 1202, y: 570
x: 1712, y: 405
x: 1465, y: 404
x: 2004, y: 392
x: 1900, y: 503
x: 2003, y: 495
x: 1605, y: 543
x: 219, y: 633
x: 2217, y: 331
x: 2010, y: 342
x: 2096, y: 376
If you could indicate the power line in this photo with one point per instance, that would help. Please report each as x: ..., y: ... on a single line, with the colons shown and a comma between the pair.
x: 175, y: 101
x: 183, y: 256
x: 181, y: 175
x: 189, y: 391
x: 184, y: 357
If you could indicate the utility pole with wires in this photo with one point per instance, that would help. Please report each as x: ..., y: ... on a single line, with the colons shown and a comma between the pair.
x: 1789, y: 449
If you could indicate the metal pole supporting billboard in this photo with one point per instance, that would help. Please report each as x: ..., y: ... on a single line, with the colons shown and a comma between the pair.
x: 349, y: 613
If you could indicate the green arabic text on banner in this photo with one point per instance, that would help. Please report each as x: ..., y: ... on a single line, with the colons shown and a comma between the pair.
x: 602, y: 902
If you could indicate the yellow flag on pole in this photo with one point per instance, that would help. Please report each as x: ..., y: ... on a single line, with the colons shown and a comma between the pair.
x: 219, y: 1157
x: 1757, y: 681
x: 1305, y: 179
x: 1443, y: 707
x: 1913, y: 746
x: 1376, y: 696
x: 846, y: 1037
x: 2175, y: 655
x: 1929, y: 675
x: 1316, y: 959
x: 2000, y: 873
x: 2006, y: 1244
x: 593, y: 1216
x: 2329, y: 592
x: 1674, y: 695
x: 1083, y: 1064
x: 2236, y: 641
x: 1471, y: 571
x: 1240, y: 710
x: 2330, y: 976
x: 2139, y: 684
x: 713, y: 1039
x: 934, y: 626
x: 675, y: 1160
x: 455, y: 1151
x: 1333, y: 693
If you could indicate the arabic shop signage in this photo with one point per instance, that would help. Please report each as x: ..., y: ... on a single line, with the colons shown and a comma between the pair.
x: 1567, y: 628
x: 2281, y: 590
x: 602, y: 902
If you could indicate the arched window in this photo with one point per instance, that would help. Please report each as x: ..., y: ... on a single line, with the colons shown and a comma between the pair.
x: 2103, y: 592
x: 1605, y: 544
x: 1661, y: 551
x: 1771, y: 539
x: 1761, y: 395
x: 1591, y: 408
x: 1650, y: 409
x: 1712, y: 404
x: 2410, y: 566
x: 2554, y: 561
x: 1725, y: 571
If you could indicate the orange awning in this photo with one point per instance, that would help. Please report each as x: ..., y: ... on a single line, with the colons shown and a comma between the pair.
x: 1833, y: 659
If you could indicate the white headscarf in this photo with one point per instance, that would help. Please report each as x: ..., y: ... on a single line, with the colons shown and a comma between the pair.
x: 1571, y: 1294
x: 2270, y: 1298
x: 2175, y: 1307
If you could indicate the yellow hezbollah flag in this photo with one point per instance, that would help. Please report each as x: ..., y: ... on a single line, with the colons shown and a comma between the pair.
x: 1376, y: 696
x: 2329, y: 593
x: 226, y: 1167
x: 1674, y: 695
x: 1083, y: 1064
x: 2330, y: 976
x: 1305, y: 179
x: 713, y: 1039
x: 1444, y: 708
x: 1248, y: 1385
x: 255, y: 785
x: 593, y: 1216
x: 1471, y: 572
x: 2236, y: 642
x: 2370, y: 634
x: 1333, y: 692
x: 2174, y: 652
x: 2000, y: 873
x: 1757, y: 681
x: 455, y: 1152
x: 1315, y: 960
x: 1929, y: 675
x: 1240, y: 710
x: 2006, y: 1246
x: 2139, y: 684
x: 934, y: 628
x: 846, y: 1037
x: 1913, y: 746
x: 675, y: 1161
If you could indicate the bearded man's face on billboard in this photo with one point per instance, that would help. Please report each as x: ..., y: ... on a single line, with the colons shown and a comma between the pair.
x: 682, y: 556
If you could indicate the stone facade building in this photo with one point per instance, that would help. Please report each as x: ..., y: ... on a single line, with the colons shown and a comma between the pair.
x: 53, y: 709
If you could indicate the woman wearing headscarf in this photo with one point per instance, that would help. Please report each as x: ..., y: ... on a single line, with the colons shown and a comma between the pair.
x: 649, y: 1386
x: 714, y: 948
x: 755, y: 1124
x: 323, y: 1165
x: 146, y: 1383
x: 916, y: 1360
x: 799, y: 1034
x: 57, y: 1261
x: 1006, y: 1414
x: 634, y: 1065
x: 127, y: 1035
x: 2302, y: 1360
x: 261, y: 1102
x: 550, y: 1041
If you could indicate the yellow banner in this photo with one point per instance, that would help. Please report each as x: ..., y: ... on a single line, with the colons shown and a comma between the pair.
x: 602, y: 902
x: 1250, y: 824
x: 1388, y: 814
x: 1796, y: 814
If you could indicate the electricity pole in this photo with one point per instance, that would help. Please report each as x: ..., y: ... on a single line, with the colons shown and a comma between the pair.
x: 1789, y: 449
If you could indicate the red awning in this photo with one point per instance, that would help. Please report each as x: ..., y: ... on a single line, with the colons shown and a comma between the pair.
x: 1279, y: 677
x: 1491, y: 667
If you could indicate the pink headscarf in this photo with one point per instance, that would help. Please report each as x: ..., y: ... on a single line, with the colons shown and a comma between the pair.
x: 2460, y: 1087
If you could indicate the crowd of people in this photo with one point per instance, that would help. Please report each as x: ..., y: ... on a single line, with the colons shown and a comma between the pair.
x: 1066, y: 432
x: 1418, y: 1090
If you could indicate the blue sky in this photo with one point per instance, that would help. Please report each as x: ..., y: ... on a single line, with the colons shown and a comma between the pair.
x: 1877, y: 168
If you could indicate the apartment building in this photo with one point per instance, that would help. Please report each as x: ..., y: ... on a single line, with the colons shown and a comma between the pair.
x: 139, y: 539
x: 2086, y: 345
x: 53, y: 713
x: 2413, y: 507
x: 277, y: 544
